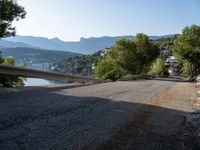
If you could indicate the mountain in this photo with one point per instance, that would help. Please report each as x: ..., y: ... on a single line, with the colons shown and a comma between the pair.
x: 10, y: 44
x: 37, y: 58
x: 85, y: 45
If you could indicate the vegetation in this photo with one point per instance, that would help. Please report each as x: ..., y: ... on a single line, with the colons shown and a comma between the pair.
x: 165, y: 45
x: 185, y: 69
x: 141, y: 57
x: 36, y: 55
x: 158, y: 68
x: 10, y: 81
x: 108, y: 69
x: 10, y: 11
x: 78, y: 65
x: 129, y: 56
x: 82, y: 65
x: 187, y: 48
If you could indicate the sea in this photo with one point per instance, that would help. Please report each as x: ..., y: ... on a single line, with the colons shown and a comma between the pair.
x: 41, y: 82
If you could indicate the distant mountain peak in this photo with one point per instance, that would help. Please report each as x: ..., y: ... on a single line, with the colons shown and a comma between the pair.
x: 56, y: 39
x: 82, y: 39
x: 85, y: 45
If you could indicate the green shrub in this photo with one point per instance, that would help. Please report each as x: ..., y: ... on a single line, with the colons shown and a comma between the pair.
x: 7, y: 80
x: 108, y: 69
x: 186, y: 70
x: 158, y: 68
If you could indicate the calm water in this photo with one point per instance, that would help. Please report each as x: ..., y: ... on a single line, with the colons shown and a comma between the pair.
x: 38, y: 82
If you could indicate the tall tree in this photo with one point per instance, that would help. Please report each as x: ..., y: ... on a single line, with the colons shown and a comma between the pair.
x: 10, y: 10
x: 124, y: 54
x: 147, y: 51
x: 134, y: 55
x: 187, y: 48
x: 128, y: 56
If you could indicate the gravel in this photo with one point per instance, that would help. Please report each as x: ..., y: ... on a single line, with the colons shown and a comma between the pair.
x: 101, y: 116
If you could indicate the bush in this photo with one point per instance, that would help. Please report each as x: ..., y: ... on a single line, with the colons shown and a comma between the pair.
x: 185, y: 70
x: 108, y: 69
x: 10, y: 81
x: 158, y: 68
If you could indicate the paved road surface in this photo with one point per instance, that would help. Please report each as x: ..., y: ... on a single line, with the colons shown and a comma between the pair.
x: 120, y: 115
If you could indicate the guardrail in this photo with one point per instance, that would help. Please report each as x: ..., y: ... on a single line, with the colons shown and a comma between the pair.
x: 33, y: 73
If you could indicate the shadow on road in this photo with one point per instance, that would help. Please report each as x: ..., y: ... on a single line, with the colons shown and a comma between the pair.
x: 175, y: 79
x: 43, y: 119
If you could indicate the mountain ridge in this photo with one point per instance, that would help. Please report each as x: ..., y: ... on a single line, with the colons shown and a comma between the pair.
x: 84, y: 45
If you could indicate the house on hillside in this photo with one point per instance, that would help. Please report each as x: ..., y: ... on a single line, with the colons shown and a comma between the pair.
x: 104, y: 53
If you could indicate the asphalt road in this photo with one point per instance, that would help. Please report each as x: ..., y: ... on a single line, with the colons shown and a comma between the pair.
x: 119, y: 115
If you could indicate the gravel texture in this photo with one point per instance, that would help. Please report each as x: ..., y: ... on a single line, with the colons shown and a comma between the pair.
x: 117, y: 115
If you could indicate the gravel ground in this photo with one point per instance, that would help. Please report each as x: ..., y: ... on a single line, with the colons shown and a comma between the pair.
x: 120, y: 115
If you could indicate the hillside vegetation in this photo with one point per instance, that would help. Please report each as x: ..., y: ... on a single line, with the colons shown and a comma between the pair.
x: 79, y: 65
x: 140, y: 55
x: 84, y: 65
x: 36, y: 56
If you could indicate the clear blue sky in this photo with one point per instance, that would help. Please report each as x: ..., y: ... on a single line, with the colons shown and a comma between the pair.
x: 72, y: 19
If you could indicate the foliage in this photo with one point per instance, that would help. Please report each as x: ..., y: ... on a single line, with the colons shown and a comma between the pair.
x: 165, y: 45
x: 1, y: 59
x: 36, y: 55
x: 10, y: 11
x: 78, y: 65
x: 158, y: 68
x: 9, y: 61
x: 187, y: 48
x: 124, y: 54
x: 134, y: 55
x: 185, y: 69
x: 108, y: 69
x: 130, y: 56
x: 10, y: 81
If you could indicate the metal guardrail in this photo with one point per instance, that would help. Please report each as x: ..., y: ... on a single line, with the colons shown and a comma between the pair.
x: 33, y: 73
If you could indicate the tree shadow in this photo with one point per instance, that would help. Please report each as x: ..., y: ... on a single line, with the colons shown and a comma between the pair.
x: 44, y: 119
x: 173, y: 79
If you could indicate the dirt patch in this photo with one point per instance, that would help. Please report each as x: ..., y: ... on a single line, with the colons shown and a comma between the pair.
x: 156, y: 128
x: 163, y: 98
x: 132, y: 130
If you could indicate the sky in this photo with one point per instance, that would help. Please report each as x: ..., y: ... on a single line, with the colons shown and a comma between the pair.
x: 70, y: 20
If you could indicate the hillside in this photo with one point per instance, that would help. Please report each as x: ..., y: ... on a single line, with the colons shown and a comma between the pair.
x: 85, y: 45
x: 82, y: 65
x: 36, y: 58
x: 79, y: 65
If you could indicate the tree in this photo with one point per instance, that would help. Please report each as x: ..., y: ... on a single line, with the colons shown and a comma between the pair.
x: 158, y: 68
x: 9, y: 11
x: 187, y: 48
x: 147, y: 51
x: 124, y: 54
x: 10, y: 81
x: 9, y: 61
x: 134, y: 55
x: 165, y: 46
x: 129, y: 57
x: 1, y: 59
x: 185, y: 69
x: 108, y: 69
